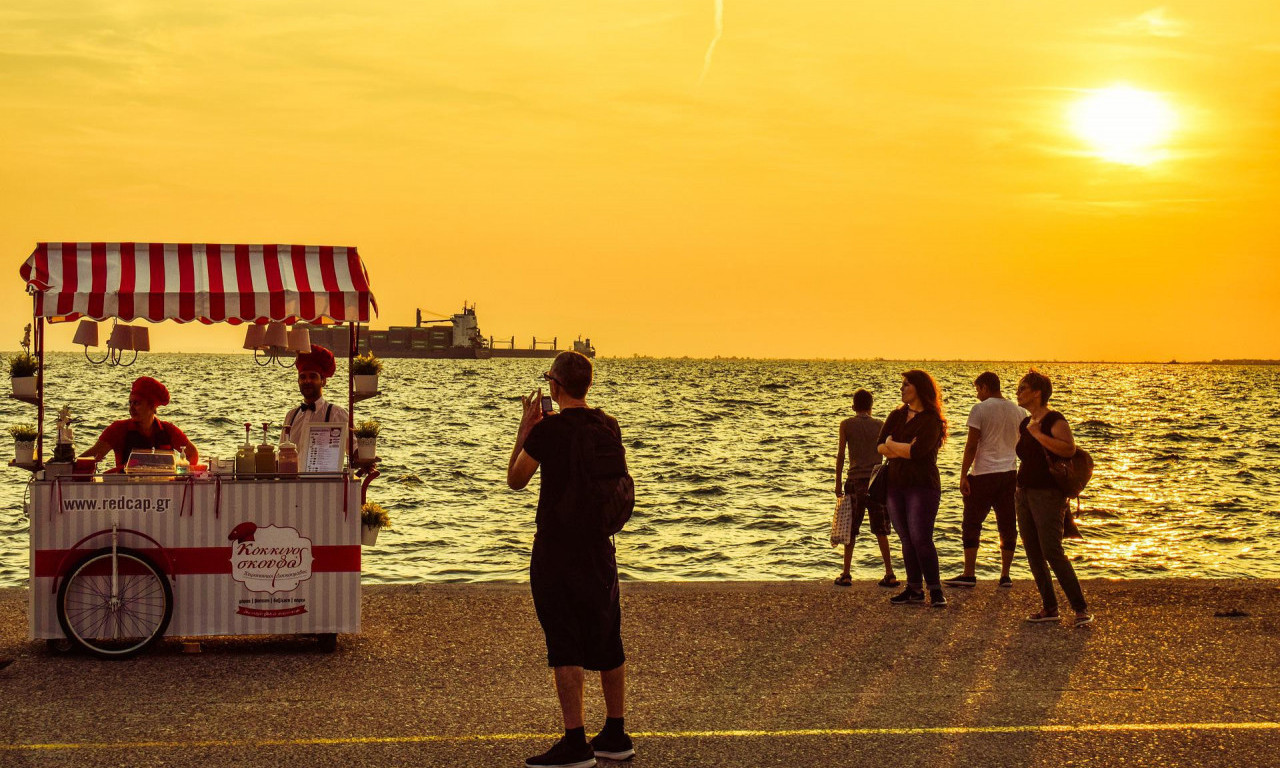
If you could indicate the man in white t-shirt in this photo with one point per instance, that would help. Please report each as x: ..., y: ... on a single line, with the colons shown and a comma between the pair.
x: 989, y: 476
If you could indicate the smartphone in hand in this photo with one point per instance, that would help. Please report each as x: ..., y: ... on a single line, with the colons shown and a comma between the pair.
x: 548, y: 405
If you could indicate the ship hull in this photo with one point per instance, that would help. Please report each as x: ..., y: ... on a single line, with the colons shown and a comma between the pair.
x: 547, y: 353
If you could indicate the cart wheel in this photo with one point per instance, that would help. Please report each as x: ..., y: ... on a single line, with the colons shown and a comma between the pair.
x: 328, y: 642
x: 114, y: 627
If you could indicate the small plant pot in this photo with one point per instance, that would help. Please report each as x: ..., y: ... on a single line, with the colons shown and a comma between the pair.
x: 366, y: 448
x: 24, y: 386
x: 369, y: 535
x: 24, y: 451
x: 365, y: 384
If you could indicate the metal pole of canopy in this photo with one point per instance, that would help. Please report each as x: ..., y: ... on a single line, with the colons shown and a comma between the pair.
x: 39, y: 324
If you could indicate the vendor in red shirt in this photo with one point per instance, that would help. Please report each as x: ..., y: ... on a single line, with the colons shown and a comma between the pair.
x: 142, y: 429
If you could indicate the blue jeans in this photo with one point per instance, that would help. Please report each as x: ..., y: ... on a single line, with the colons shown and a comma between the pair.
x: 913, y: 511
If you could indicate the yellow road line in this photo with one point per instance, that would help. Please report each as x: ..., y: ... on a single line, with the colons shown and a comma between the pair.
x: 753, y: 734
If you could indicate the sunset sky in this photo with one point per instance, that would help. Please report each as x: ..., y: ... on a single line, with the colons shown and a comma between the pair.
x: 903, y: 179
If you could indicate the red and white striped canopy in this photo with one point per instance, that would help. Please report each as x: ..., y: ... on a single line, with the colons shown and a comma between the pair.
x: 198, y: 281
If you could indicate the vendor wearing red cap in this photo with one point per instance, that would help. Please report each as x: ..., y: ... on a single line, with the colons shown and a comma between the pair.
x: 314, y: 369
x: 142, y: 429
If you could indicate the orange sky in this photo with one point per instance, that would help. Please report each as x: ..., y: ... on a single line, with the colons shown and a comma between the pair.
x: 893, y: 179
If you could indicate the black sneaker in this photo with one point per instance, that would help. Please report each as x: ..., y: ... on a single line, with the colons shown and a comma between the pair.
x: 962, y: 581
x: 1006, y: 582
x: 906, y: 596
x: 564, y: 755
x: 613, y: 746
x: 937, y: 599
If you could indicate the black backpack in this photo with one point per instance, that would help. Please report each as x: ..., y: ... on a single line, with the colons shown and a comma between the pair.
x: 600, y: 494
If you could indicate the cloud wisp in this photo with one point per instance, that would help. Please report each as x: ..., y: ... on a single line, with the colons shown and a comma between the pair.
x: 706, y: 63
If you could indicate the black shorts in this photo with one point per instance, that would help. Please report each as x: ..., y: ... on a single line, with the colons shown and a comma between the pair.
x: 862, y: 504
x: 575, y: 593
x: 986, y: 492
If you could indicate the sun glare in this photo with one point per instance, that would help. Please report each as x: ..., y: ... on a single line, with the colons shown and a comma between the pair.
x: 1124, y: 124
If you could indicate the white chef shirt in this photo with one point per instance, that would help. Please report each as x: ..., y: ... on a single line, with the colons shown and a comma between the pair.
x: 297, y: 420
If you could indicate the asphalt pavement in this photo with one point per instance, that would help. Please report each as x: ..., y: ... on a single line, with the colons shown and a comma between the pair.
x: 720, y: 674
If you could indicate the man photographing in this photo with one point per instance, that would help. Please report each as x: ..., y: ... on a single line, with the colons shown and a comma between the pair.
x: 572, y: 573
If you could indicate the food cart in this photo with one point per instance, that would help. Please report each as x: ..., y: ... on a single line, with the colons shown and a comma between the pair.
x: 119, y: 561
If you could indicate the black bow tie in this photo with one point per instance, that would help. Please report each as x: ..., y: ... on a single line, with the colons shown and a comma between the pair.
x: 306, y: 407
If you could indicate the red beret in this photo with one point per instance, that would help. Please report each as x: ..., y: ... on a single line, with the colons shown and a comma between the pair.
x: 319, y: 360
x: 147, y: 388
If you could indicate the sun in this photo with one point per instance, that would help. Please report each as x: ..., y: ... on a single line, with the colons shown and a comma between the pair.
x: 1124, y: 124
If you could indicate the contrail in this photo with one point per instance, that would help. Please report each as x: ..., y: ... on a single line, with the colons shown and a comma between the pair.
x: 706, y: 64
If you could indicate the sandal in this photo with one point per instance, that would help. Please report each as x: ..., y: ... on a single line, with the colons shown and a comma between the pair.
x: 844, y: 581
x: 1083, y: 619
x: 888, y: 581
x: 1042, y: 616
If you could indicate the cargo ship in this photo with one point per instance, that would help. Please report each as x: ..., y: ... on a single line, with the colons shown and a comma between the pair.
x: 455, y: 338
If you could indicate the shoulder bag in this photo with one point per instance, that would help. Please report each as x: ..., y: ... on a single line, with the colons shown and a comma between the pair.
x: 878, y: 485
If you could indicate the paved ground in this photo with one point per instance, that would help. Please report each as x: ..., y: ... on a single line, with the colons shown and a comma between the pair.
x: 722, y: 674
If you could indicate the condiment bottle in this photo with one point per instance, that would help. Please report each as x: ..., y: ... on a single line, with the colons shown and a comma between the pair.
x: 245, y: 462
x: 266, y: 458
x: 182, y: 466
x: 288, y: 456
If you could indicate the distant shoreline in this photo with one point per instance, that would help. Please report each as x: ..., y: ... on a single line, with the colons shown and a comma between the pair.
x: 731, y: 358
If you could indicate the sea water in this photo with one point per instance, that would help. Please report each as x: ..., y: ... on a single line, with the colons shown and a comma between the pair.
x: 734, y: 460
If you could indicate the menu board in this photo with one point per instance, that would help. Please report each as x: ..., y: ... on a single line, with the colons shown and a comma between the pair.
x: 323, y: 447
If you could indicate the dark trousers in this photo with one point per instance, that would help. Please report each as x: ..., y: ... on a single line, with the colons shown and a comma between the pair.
x: 987, y: 492
x: 1040, y: 519
x: 913, y: 511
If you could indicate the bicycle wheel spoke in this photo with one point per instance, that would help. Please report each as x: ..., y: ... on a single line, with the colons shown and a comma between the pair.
x: 121, y: 623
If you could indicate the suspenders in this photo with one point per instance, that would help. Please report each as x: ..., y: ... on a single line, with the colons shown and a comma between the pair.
x: 328, y: 411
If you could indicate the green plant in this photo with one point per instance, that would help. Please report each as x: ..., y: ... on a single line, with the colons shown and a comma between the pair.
x: 368, y: 428
x: 373, y: 515
x: 23, y: 364
x: 24, y: 432
x: 366, y: 364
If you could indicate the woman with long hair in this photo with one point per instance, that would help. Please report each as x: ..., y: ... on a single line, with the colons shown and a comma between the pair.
x: 1041, y: 505
x: 910, y: 439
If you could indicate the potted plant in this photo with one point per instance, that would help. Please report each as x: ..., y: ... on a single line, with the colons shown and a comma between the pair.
x: 373, y: 518
x: 367, y: 440
x: 22, y: 370
x: 24, y: 443
x: 364, y: 373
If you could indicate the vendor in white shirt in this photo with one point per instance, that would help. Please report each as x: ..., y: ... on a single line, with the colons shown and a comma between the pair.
x: 314, y: 369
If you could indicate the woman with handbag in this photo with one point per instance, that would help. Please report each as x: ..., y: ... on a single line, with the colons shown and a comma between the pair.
x: 910, y: 439
x: 1041, y: 505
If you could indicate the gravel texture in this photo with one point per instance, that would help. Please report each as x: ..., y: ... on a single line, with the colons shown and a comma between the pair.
x: 720, y: 674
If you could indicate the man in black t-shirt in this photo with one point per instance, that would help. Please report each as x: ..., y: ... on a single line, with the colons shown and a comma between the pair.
x: 572, y: 572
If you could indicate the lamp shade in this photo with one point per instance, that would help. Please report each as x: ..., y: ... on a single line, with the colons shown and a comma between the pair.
x: 299, y: 339
x: 254, y: 335
x: 121, y: 337
x: 141, y: 338
x: 86, y: 334
x: 277, y: 335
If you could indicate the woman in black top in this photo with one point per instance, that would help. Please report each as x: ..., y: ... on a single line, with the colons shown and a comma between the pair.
x: 910, y: 438
x: 1041, y: 506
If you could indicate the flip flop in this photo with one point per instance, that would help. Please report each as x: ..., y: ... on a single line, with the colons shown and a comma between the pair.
x: 1083, y: 620
x: 844, y: 580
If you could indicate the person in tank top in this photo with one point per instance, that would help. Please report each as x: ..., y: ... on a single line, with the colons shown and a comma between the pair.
x: 1041, y: 506
x: 859, y: 435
